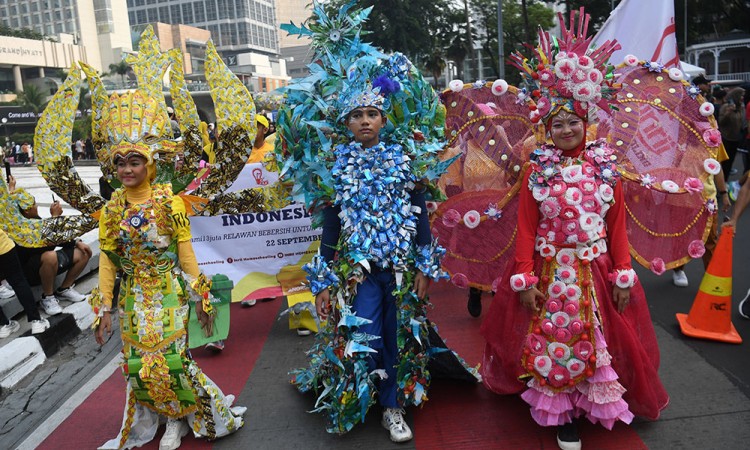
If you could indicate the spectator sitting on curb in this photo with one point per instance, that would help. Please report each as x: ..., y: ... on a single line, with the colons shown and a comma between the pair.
x: 41, y: 265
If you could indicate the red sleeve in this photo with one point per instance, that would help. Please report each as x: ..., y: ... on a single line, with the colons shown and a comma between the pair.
x: 528, y: 221
x: 617, y: 235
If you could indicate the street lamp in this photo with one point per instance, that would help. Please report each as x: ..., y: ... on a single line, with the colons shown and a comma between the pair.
x: 5, y: 130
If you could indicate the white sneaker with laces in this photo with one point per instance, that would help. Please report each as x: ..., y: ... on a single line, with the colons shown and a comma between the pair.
x: 50, y: 305
x: 70, y: 295
x: 176, y: 430
x: 393, y: 420
x: 7, y: 330
x: 39, y: 326
x: 6, y: 291
x: 679, y: 278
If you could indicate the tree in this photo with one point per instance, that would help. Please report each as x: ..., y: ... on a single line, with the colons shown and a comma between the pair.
x: 121, y: 68
x: 32, y: 98
x: 515, y: 29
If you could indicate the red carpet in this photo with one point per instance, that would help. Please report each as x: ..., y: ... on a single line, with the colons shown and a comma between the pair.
x: 98, y: 419
x: 461, y: 416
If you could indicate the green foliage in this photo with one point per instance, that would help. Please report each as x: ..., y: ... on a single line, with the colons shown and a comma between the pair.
x: 121, y: 68
x: 81, y: 128
x: 23, y: 33
x: 32, y: 98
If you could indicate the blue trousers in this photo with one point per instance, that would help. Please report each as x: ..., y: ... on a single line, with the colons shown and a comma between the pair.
x: 375, y: 301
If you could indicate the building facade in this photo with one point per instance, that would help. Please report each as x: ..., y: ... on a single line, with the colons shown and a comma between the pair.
x: 243, y: 31
x: 725, y: 58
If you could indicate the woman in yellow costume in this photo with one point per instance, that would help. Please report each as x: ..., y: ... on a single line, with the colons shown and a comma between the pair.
x: 144, y: 231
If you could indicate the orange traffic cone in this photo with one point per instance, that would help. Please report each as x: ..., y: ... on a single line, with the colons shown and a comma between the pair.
x: 710, y: 316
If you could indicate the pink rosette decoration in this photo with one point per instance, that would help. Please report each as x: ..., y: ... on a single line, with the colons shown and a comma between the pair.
x: 539, y: 242
x: 536, y: 344
x: 558, y: 350
x: 563, y: 335
x: 540, y: 193
x: 675, y: 74
x: 558, y: 188
x: 585, y: 253
x: 534, y: 116
x: 583, y: 236
x: 711, y: 166
x: 583, y: 350
x: 572, y: 174
x: 431, y: 206
x: 584, y: 92
x: 522, y: 281
x: 556, y: 288
x: 712, y: 136
x: 560, y: 319
x: 456, y: 85
x: 585, y: 63
x: 670, y: 186
x: 575, y: 367
x: 543, y: 106
x: 496, y: 284
x: 553, y: 305
x: 578, y: 76
x: 631, y: 60
x: 451, y: 218
x: 693, y: 185
x: 570, y: 227
x: 558, y: 376
x: 550, y: 208
x: 696, y: 248
x: 589, y: 221
x: 606, y: 192
x: 569, y: 213
x: 657, y: 266
x: 596, y: 78
x: 543, y: 365
x: 547, y: 327
x: 589, y: 204
x: 624, y: 279
x: 576, y: 326
x: 573, y: 196
x: 566, y: 256
x: 706, y: 109
x: 546, y: 78
x: 547, y: 250
x: 563, y: 89
x: 573, y: 292
x: 460, y: 280
x: 588, y: 169
x: 564, y: 68
x: 566, y: 274
x: 588, y: 185
x: 472, y: 219
x: 499, y: 87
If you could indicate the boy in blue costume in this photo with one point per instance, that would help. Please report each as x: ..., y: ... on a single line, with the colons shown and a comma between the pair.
x: 360, y: 140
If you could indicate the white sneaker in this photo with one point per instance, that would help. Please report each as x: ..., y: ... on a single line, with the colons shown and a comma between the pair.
x: 7, y: 330
x: 6, y: 291
x: 70, y: 295
x: 176, y: 430
x: 679, y: 278
x: 248, y: 303
x: 393, y: 420
x: 51, y: 306
x: 744, y: 306
x: 303, y: 332
x: 39, y: 326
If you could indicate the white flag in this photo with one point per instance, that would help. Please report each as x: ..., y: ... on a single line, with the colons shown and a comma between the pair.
x: 644, y: 28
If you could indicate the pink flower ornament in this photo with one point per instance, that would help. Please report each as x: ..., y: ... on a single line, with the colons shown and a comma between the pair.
x: 606, y: 192
x: 540, y: 193
x: 712, y: 136
x: 711, y: 166
x: 556, y: 289
x: 566, y: 256
x: 657, y: 266
x: 564, y: 68
x: 543, y: 106
x: 675, y: 74
x: 550, y: 208
x: 566, y: 274
x: 706, y: 109
x: 431, y: 206
x: 456, y: 85
x: 553, y: 306
x: 547, y: 327
x: 631, y: 60
x: 451, y: 218
x: 696, y: 248
x: 575, y: 367
x: 670, y: 186
x: 576, y: 326
x: 563, y: 335
x: 536, y: 344
x: 472, y: 219
x: 583, y: 350
x: 693, y: 185
x: 460, y: 280
x: 543, y: 365
x: 558, y: 376
x: 546, y: 78
x: 499, y: 87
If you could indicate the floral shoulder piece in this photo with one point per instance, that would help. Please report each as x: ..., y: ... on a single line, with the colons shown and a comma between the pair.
x: 544, y: 162
x: 604, y: 160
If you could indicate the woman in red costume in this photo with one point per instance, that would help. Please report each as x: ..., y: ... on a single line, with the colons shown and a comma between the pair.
x: 570, y: 327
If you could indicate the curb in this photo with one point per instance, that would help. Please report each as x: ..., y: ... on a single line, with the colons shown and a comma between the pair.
x: 18, y: 359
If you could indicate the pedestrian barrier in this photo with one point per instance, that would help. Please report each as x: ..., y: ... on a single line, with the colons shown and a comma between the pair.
x: 710, y: 317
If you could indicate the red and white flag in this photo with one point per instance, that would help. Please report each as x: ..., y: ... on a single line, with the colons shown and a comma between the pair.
x: 644, y: 28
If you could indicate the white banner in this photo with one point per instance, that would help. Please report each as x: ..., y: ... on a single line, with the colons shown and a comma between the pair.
x: 644, y: 28
x: 262, y: 253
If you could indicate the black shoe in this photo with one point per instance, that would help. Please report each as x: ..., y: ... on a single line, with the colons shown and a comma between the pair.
x: 744, y: 306
x: 567, y: 437
x: 475, y: 302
